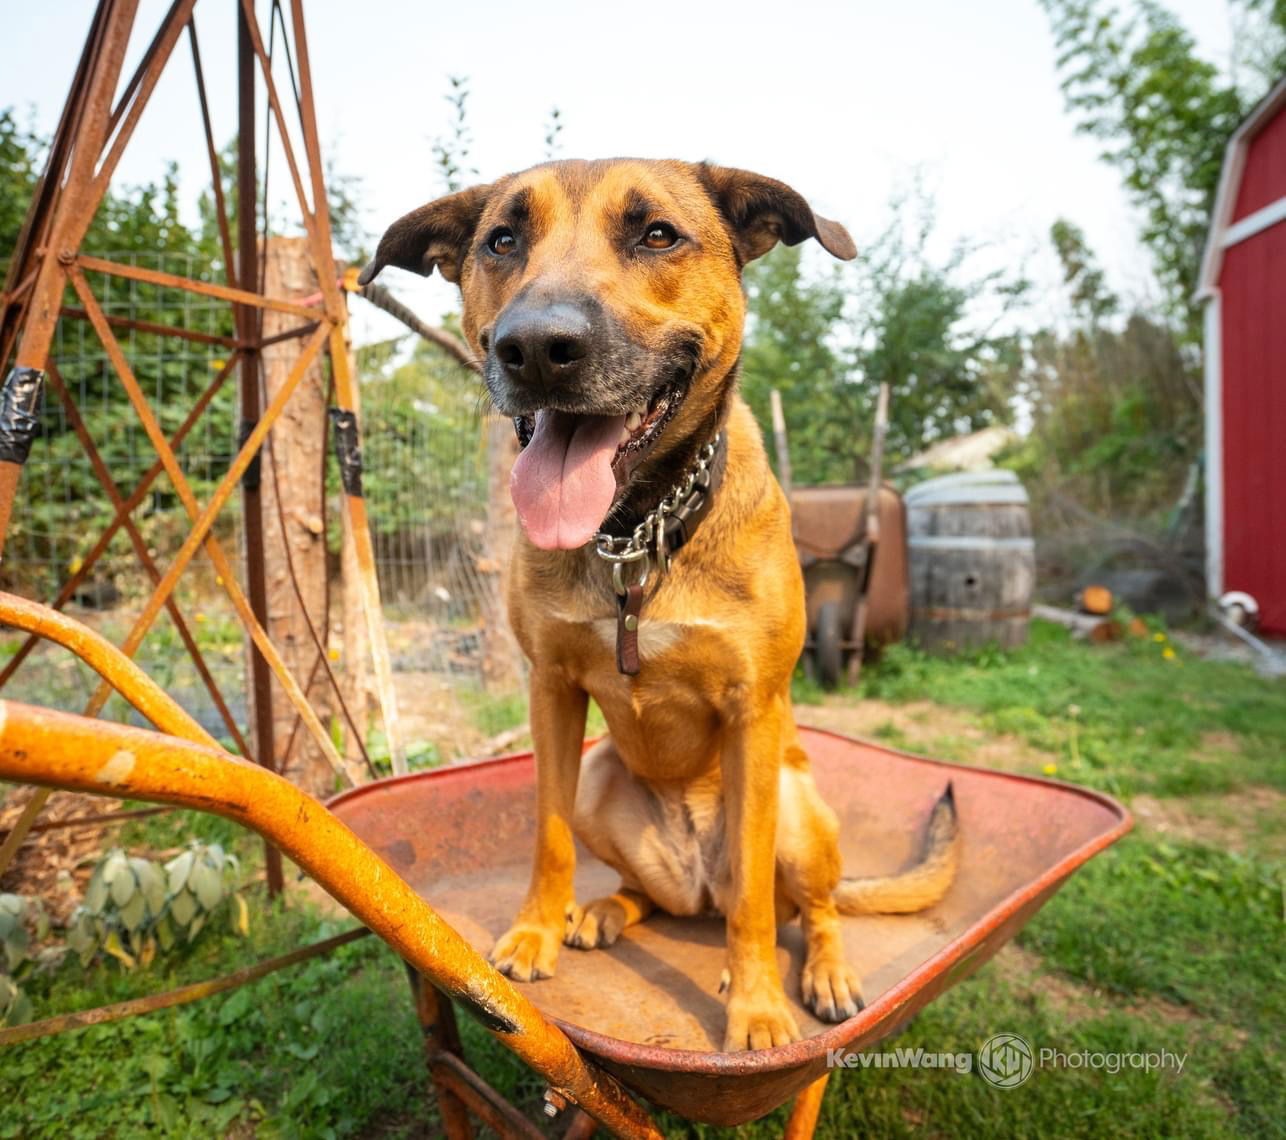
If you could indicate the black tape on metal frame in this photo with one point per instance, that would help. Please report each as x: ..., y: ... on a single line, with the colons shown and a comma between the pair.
x: 20, y: 413
x: 348, y: 450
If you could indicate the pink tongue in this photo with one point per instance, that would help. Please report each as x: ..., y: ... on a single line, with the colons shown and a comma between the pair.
x: 562, y: 482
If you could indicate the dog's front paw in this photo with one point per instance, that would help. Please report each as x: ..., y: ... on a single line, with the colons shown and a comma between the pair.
x: 759, y: 1020
x: 831, y: 988
x: 526, y: 952
x: 596, y: 925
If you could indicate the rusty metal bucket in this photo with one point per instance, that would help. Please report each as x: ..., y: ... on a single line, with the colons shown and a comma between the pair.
x: 647, y: 1009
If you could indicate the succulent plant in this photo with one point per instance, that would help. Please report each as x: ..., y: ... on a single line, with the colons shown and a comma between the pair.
x: 133, y: 906
x: 16, y: 913
x: 15, y: 1006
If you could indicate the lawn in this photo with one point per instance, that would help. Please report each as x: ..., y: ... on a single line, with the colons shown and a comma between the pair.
x: 1171, y: 940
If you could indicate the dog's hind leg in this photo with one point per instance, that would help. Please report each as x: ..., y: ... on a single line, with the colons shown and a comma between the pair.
x: 600, y: 922
x: 808, y: 870
x: 626, y: 825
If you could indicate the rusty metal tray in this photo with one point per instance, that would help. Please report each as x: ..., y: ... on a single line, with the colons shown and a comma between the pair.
x: 648, y: 1008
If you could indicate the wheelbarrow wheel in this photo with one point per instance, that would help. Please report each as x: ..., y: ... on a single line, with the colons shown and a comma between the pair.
x: 830, y: 657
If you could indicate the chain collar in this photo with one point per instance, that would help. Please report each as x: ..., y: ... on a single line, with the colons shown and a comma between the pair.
x: 649, y: 543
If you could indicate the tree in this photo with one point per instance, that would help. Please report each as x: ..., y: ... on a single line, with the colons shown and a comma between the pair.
x: 1164, y: 116
x: 789, y: 345
x: 1092, y: 300
x: 20, y: 155
x: 930, y: 327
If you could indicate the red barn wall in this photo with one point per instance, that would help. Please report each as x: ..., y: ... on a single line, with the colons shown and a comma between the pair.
x: 1263, y: 180
x: 1253, y: 320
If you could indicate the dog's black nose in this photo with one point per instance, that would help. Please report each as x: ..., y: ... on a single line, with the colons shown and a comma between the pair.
x: 543, y: 344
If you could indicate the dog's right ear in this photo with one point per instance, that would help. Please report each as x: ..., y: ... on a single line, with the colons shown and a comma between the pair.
x: 437, y: 234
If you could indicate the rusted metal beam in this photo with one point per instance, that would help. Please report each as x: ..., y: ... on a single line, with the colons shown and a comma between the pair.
x: 462, y: 1082
x: 441, y: 1035
x: 216, y: 174
x: 250, y: 329
x: 59, y: 749
x: 82, y: 1019
x: 310, y: 212
x: 140, y: 91
x: 100, y: 819
x: 134, y: 325
x: 204, y: 288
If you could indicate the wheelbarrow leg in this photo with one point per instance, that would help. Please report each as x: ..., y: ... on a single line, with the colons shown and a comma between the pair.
x: 441, y: 1035
x: 808, y: 1105
x: 582, y: 1127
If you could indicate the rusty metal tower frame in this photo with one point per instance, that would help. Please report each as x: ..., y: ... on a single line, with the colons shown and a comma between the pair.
x: 92, y: 134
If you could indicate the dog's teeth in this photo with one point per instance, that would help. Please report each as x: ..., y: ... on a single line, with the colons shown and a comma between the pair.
x: 633, y: 420
x: 625, y: 434
x: 640, y: 411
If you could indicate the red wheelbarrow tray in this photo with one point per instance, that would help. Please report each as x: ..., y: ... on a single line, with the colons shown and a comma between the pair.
x: 648, y: 1009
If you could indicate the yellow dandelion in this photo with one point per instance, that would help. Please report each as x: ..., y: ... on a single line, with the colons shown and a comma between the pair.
x: 201, y: 618
x: 333, y: 654
x: 1168, y: 653
x: 1050, y: 769
x: 1158, y: 637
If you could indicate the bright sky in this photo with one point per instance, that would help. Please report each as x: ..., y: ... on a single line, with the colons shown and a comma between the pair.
x: 846, y: 101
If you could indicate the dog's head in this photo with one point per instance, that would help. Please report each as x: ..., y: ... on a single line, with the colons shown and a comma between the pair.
x: 605, y: 299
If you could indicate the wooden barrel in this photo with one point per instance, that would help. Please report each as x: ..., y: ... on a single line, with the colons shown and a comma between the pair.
x: 972, y: 560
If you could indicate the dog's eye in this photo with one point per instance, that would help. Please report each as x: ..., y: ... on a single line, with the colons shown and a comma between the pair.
x: 502, y: 242
x: 660, y: 235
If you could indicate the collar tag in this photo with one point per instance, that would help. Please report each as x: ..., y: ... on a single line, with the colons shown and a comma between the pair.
x: 664, y: 531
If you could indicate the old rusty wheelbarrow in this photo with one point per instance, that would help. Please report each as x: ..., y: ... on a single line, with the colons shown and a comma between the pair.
x: 642, y: 1019
x: 843, y: 577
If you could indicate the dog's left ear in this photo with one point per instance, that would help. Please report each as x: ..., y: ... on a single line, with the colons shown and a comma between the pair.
x: 435, y: 235
x: 761, y: 212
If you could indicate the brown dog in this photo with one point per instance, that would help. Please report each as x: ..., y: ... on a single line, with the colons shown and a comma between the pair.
x: 606, y: 301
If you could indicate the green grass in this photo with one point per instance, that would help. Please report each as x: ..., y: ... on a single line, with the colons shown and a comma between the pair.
x: 1162, y: 942
x: 1124, y: 718
x: 319, y: 1049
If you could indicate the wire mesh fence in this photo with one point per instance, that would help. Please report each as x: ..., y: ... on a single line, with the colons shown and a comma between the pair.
x: 427, y: 487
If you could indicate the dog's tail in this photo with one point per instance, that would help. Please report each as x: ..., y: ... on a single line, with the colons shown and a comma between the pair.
x: 919, y: 886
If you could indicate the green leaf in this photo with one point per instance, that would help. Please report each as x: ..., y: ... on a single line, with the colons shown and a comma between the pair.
x: 153, y: 883
x: 183, y: 907
x: 97, y: 892
x: 178, y: 870
x: 124, y: 885
x: 207, y: 883
x: 134, y: 913
x: 165, y: 933
x: 15, y: 947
